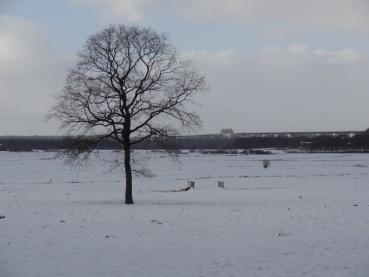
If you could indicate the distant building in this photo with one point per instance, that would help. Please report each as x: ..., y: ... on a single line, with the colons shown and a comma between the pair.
x: 227, y: 132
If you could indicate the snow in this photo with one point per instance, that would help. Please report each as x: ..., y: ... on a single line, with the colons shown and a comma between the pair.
x: 305, y: 215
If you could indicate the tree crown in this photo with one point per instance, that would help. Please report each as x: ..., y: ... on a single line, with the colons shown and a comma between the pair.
x: 129, y: 84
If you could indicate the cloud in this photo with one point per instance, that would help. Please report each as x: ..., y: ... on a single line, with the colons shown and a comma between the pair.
x: 327, y: 15
x: 223, y: 56
x: 300, y: 54
x: 285, y: 89
x: 347, y: 55
x: 31, y: 71
x: 281, y: 16
x: 126, y: 10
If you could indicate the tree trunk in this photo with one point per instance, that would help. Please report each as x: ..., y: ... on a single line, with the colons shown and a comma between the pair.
x: 128, y: 171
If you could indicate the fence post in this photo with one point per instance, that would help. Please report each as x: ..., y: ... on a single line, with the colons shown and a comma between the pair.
x: 221, y: 184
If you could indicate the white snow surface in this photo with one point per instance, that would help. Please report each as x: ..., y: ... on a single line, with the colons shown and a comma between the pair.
x: 305, y: 215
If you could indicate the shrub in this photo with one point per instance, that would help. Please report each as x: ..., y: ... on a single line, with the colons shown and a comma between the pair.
x: 266, y: 163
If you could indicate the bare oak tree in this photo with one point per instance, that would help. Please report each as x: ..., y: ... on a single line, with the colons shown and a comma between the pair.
x: 129, y: 85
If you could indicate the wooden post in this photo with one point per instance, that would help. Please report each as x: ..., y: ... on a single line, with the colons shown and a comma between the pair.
x: 221, y: 184
x: 191, y: 184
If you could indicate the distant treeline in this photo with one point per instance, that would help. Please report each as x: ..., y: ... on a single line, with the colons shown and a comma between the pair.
x: 30, y: 143
x: 330, y: 143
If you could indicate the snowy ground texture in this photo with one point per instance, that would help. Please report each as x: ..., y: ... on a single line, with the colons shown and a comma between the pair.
x: 306, y: 215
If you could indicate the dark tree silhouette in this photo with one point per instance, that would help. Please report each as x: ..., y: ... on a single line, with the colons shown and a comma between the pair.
x: 129, y: 85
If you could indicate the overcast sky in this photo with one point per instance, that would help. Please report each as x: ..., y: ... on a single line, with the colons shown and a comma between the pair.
x: 272, y: 65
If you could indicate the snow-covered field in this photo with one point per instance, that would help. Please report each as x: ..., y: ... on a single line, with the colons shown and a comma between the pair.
x: 305, y: 215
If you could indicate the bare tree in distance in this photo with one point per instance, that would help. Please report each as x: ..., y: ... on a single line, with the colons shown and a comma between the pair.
x: 129, y: 85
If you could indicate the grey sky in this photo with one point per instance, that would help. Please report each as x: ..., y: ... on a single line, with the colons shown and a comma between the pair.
x: 284, y: 65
